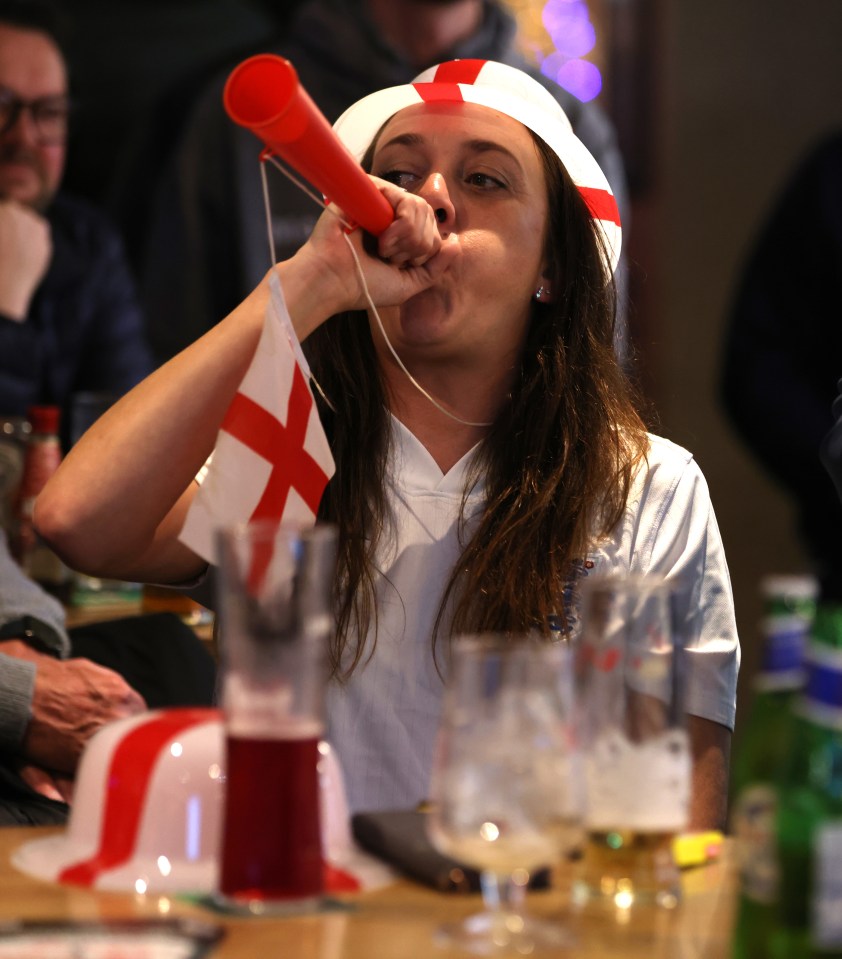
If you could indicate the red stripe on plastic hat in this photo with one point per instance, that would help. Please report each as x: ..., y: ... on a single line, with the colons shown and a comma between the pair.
x: 509, y: 91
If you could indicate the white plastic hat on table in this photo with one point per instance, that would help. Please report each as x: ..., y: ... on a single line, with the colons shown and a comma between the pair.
x: 148, y: 810
x: 509, y: 91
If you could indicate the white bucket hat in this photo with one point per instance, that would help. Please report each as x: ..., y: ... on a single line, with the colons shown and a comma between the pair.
x: 509, y: 91
x: 148, y: 808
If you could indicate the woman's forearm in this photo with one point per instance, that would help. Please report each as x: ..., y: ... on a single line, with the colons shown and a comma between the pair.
x: 711, y: 749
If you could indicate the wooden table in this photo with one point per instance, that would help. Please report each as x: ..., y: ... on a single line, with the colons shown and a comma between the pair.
x: 397, y: 922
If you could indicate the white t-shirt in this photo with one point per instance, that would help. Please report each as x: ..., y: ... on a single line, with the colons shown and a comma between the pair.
x: 383, y: 721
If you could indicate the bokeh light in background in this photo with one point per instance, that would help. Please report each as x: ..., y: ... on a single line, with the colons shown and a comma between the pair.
x: 558, y: 35
x: 569, y: 26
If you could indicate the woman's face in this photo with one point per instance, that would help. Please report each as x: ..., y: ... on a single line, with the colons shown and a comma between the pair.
x: 481, y: 172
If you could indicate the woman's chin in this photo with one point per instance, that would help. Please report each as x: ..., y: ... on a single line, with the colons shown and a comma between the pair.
x: 425, y: 319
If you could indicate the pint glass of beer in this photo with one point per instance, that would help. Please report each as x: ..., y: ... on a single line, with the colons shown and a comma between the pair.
x: 631, y: 728
x: 274, y: 590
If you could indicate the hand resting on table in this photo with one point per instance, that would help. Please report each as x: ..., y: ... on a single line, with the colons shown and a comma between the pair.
x: 72, y: 699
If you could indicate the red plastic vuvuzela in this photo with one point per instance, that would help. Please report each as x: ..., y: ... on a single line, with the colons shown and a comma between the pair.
x: 264, y: 95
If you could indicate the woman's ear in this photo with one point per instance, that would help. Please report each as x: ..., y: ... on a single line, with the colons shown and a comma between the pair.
x: 544, y: 293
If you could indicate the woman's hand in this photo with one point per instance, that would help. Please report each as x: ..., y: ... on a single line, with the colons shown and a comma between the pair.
x: 322, y: 278
x: 413, y: 237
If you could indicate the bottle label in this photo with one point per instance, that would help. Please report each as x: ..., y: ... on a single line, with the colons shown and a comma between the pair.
x: 753, y: 826
x: 826, y: 913
x: 821, y: 702
x: 824, y: 680
x: 784, y: 641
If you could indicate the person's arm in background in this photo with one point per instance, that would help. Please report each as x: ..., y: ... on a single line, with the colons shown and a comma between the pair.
x: 29, y: 618
x: 831, y: 448
x: 781, y: 358
x: 49, y: 705
x: 25, y: 251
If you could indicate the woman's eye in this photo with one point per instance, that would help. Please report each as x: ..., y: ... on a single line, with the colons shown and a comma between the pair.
x: 485, y: 181
x: 402, y: 178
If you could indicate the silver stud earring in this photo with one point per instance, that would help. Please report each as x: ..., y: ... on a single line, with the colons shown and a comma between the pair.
x: 540, y: 293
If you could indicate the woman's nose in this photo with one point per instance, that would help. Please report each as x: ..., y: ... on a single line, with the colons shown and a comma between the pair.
x: 435, y: 192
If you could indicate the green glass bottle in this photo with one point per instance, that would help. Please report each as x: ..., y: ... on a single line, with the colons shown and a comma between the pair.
x: 809, y: 819
x: 789, y: 605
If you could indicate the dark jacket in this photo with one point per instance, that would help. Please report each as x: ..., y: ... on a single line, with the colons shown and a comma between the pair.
x: 207, y: 246
x: 784, y: 345
x: 85, y: 329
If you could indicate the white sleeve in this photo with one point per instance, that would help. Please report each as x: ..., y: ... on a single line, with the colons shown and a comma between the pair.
x: 678, y: 538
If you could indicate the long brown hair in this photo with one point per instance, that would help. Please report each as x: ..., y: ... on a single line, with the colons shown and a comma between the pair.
x: 557, y: 464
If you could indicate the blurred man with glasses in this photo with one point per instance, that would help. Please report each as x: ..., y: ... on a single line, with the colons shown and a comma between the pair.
x: 69, y: 314
x: 69, y: 321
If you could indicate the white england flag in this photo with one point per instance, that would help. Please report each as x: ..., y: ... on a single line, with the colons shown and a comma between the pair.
x: 272, y: 459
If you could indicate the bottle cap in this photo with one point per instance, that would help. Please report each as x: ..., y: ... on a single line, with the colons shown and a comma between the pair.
x: 44, y: 419
x: 790, y: 586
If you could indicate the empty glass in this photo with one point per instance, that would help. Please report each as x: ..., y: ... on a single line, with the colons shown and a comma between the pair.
x: 503, y: 796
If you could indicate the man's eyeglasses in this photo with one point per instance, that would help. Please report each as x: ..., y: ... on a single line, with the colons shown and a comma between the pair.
x: 49, y: 115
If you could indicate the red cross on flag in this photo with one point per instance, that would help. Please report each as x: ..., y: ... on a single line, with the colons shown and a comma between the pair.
x: 271, y: 459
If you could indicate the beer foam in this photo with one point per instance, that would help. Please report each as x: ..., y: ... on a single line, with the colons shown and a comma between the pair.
x: 287, y: 729
x: 638, y: 785
x: 266, y: 713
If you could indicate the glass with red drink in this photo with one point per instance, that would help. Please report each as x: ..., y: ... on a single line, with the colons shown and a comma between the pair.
x: 275, y: 622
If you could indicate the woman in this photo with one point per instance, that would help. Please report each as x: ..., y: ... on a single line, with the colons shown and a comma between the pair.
x: 478, y: 510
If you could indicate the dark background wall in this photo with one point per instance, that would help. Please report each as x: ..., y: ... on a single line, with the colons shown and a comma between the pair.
x: 137, y: 67
x: 136, y: 62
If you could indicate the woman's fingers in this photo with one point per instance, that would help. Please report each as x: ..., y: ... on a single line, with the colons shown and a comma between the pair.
x: 413, y: 236
x: 397, y: 270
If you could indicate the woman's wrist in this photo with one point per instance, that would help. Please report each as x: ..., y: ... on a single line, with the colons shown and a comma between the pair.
x: 312, y: 293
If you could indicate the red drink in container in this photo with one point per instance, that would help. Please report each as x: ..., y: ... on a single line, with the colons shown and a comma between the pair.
x: 272, y: 843
x: 275, y: 626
